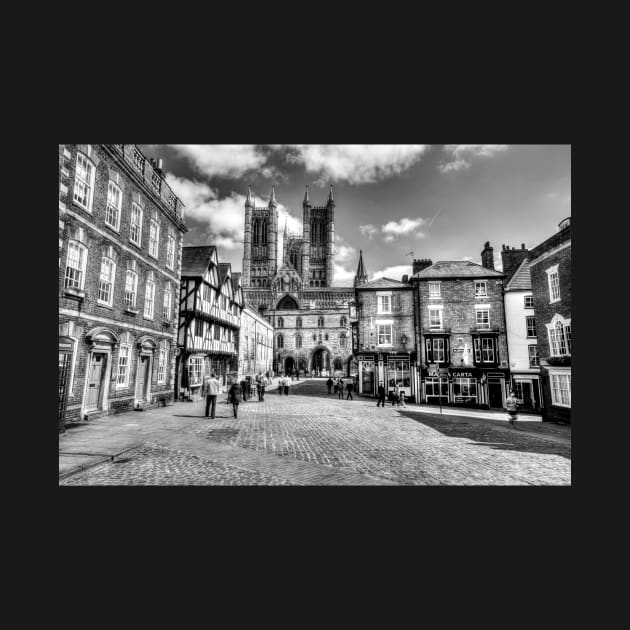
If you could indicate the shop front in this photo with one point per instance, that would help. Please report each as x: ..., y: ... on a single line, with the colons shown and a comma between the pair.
x: 528, y: 391
x: 466, y: 387
x: 389, y: 369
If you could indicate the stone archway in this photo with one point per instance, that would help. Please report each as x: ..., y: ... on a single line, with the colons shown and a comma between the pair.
x: 321, y: 362
x: 289, y: 365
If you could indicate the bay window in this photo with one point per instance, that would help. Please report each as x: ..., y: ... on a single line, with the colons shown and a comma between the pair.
x: 559, y: 331
x: 560, y: 388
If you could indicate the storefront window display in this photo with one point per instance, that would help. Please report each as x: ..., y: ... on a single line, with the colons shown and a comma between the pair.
x: 464, y: 390
x: 398, y: 374
x: 367, y: 377
x: 432, y: 390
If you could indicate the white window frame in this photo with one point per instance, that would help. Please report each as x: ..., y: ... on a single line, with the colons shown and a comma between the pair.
x: 555, y: 378
x: 482, y: 325
x: 487, y: 350
x: 136, y: 208
x: 113, y: 188
x: 170, y: 252
x: 381, y: 332
x: 149, y: 299
x: 536, y: 355
x: 528, y: 301
x: 195, y: 367
x: 439, y: 311
x: 122, y: 384
x: 131, y: 287
x: 106, y: 261
x: 79, y: 181
x: 554, y: 287
x: 559, y: 334
x: 167, y: 304
x: 433, y: 293
x: 154, y: 242
x: 379, y: 303
x: 437, y: 351
x: 527, y: 327
x: 162, y: 360
x: 478, y: 284
x: 81, y: 260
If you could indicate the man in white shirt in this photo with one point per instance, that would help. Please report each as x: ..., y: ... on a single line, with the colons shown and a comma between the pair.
x: 212, y: 390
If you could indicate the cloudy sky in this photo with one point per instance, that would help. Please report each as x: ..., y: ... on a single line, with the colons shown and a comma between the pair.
x: 441, y: 202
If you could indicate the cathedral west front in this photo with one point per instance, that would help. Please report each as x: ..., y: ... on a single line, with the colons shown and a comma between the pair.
x: 311, y: 318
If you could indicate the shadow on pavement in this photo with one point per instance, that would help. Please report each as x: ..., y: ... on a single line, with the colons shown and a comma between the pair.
x: 485, y: 433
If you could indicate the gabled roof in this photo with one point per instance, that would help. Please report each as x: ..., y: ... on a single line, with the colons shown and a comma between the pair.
x: 457, y: 269
x: 521, y: 279
x: 197, y: 259
x: 383, y: 283
x: 225, y: 270
x: 236, y: 281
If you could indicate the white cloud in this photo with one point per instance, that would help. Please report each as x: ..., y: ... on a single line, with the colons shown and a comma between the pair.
x: 345, y: 262
x: 355, y: 163
x: 343, y: 277
x: 368, y: 230
x: 227, y: 160
x: 461, y: 155
x: 404, y: 227
x: 396, y: 272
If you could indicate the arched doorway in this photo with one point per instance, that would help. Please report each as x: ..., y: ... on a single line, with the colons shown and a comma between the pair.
x: 287, y: 303
x: 289, y: 364
x: 321, y: 362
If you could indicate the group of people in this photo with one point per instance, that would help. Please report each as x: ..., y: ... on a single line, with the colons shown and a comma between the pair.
x: 283, y: 385
x: 339, y: 387
x: 235, y: 392
x: 396, y: 396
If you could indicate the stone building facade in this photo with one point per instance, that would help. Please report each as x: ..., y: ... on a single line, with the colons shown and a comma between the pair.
x: 120, y: 239
x: 310, y: 317
x: 550, y: 265
x: 255, y: 344
x: 461, y: 333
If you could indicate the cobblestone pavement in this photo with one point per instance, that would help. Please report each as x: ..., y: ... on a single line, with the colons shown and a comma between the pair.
x: 160, y: 466
x: 399, y: 445
x: 307, y: 438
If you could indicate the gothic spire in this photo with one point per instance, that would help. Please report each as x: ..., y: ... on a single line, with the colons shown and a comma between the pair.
x: 330, y: 196
x: 285, y: 226
x: 361, y: 276
x: 272, y: 201
x: 306, y: 201
x: 248, y: 201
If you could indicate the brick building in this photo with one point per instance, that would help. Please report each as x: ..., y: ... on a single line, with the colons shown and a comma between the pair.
x: 210, y: 306
x: 461, y: 332
x: 255, y: 344
x: 550, y: 265
x: 309, y: 316
x: 383, y: 338
x: 120, y: 238
x: 521, y: 329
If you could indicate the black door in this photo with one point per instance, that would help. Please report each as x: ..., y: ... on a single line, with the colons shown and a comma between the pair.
x: 494, y: 396
x: 64, y: 375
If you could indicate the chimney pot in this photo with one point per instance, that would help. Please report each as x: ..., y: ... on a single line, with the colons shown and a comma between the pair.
x: 522, y: 245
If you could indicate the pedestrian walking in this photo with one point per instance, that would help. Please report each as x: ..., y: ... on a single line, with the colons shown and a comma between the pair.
x: 349, y: 388
x: 511, y: 404
x: 280, y: 385
x: 329, y: 383
x: 396, y: 397
x: 234, y: 396
x: 339, y: 388
x: 381, y: 395
x: 402, y: 398
x: 287, y: 382
x: 262, y: 384
x: 212, y: 391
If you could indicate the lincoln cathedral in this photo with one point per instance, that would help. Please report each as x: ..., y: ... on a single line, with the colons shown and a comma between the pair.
x: 311, y: 318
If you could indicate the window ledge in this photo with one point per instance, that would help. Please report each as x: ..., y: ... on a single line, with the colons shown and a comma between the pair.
x: 81, y: 207
x: 112, y: 228
x: 76, y: 294
x: 166, y: 322
x: 131, y: 311
x: 103, y: 305
x: 554, y: 301
x: 149, y: 319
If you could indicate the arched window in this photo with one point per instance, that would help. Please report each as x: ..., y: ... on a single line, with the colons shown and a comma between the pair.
x: 322, y: 233
x: 326, y: 336
x: 280, y: 341
x: 298, y: 322
x: 311, y: 283
x: 264, y: 232
x: 342, y: 340
x: 320, y: 322
x: 280, y: 322
x: 314, y: 232
x: 560, y: 337
x: 298, y: 341
x: 338, y: 365
x: 343, y: 322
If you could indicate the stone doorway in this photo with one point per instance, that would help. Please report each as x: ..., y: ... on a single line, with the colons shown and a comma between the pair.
x: 321, y: 362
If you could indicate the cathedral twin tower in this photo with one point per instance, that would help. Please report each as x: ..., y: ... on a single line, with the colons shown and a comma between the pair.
x: 309, y: 254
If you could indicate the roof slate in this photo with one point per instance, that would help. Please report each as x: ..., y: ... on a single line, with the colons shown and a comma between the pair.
x: 383, y: 283
x: 223, y: 271
x: 457, y: 269
x: 196, y: 259
x: 522, y: 279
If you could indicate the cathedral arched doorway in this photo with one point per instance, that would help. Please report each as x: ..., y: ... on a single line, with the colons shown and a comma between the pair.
x: 321, y: 362
x: 287, y: 303
x: 289, y: 365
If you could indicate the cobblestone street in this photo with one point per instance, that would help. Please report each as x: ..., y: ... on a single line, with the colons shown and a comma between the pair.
x: 309, y: 438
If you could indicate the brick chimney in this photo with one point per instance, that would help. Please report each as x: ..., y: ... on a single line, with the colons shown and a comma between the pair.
x: 405, y: 279
x: 420, y: 264
x: 512, y: 258
x: 487, y: 256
